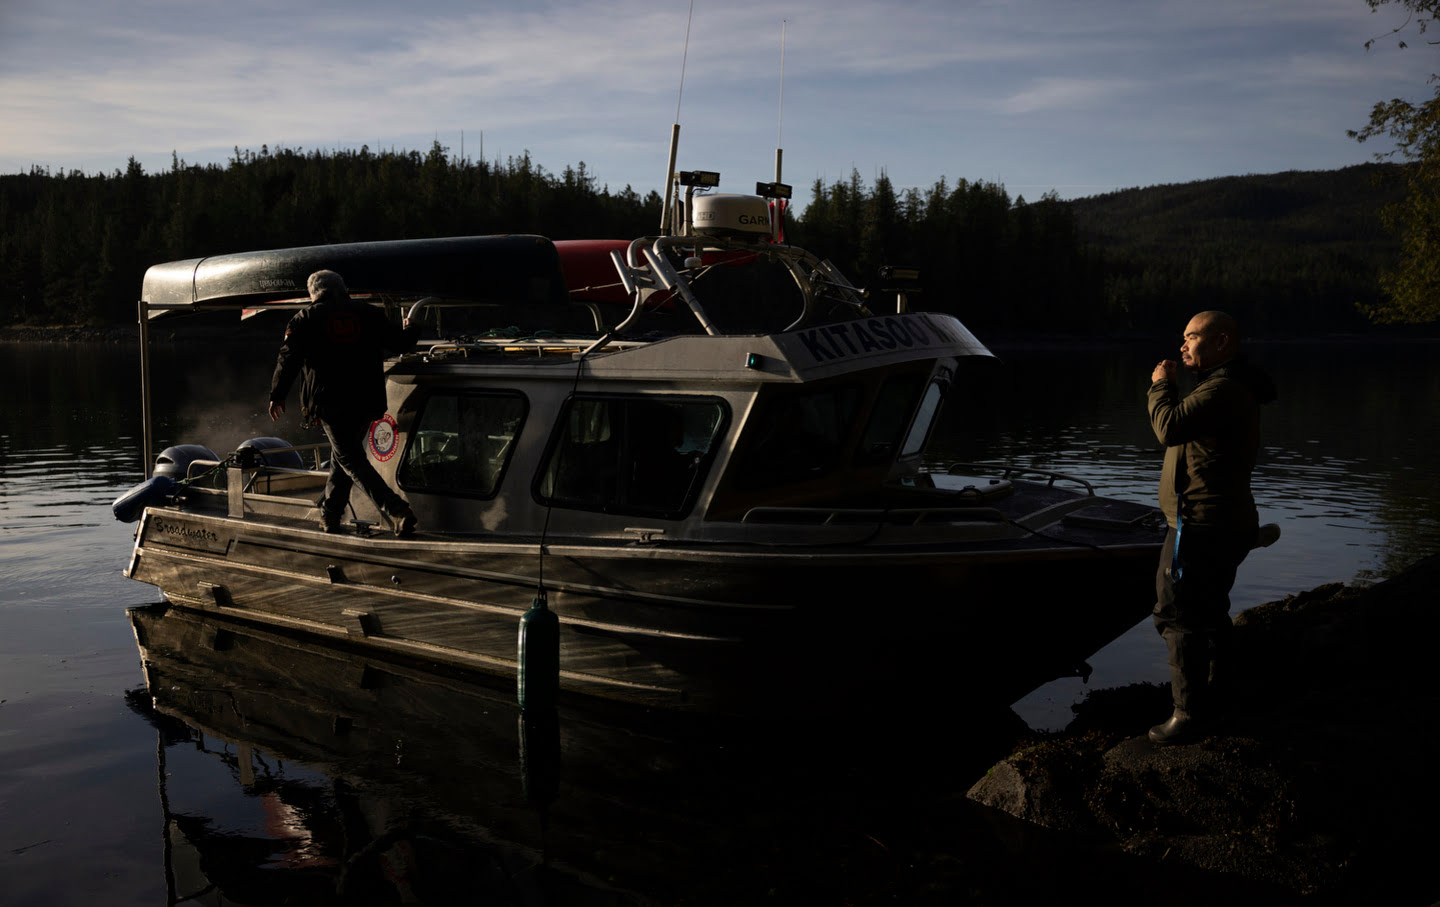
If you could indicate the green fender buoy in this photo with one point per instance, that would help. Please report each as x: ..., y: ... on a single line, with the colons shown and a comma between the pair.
x: 538, y: 674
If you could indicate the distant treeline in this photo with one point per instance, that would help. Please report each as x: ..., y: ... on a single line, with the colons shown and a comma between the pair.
x: 73, y: 248
x: 1290, y: 252
x: 993, y: 261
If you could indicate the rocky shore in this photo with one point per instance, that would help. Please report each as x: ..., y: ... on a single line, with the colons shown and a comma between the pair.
x: 1320, y: 786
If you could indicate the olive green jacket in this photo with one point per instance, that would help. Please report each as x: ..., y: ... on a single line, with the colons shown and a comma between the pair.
x: 1211, y: 441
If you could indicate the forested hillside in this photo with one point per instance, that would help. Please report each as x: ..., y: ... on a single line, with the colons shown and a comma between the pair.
x: 73, y: 248
x: 1285, y: 252
x: 1288, y: 253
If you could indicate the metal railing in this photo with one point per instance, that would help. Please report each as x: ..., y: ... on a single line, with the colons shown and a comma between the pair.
x: 841, y: 516
x: 1008, y: 471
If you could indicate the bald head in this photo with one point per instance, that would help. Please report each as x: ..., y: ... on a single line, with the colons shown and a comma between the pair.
x: 1211, y: 339
x: 1219, y: 321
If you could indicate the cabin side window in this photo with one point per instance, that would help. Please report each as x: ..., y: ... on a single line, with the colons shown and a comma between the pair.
x: 638, y: 455
x: 894, y: 405
x: 796, y: 437
x: 461, y: 443
x: 920, y: 428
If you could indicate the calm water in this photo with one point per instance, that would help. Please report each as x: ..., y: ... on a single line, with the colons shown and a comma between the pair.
x: 291, y: 786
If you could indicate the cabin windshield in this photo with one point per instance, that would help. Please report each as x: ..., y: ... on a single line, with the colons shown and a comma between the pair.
x: 461, y: 443
x: 835, y: 441
x: 798, y: 436
x: 638, y: 455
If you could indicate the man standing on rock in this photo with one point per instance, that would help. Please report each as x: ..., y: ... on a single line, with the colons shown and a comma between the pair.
x: 1211, y: 439
x: 340, y: 345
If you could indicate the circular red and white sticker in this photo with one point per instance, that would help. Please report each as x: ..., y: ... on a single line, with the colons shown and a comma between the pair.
x: 383, y: 438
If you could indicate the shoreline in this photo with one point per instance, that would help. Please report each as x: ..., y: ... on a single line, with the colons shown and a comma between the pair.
x: 1319, y: 784
x: 218, y: 327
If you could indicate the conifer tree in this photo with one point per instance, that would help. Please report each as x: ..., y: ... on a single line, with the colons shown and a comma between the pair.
x: 1412, y: 286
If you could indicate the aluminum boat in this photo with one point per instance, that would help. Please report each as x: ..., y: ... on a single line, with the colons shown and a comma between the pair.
x: 702, y: 450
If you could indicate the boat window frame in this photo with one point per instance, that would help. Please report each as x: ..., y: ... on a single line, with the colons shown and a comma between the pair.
x: 922, y: 421
x: 416, y: 420
x: 703, y: 466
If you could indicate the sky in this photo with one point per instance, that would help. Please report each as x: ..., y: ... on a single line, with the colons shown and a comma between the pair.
x: 1079, y: 97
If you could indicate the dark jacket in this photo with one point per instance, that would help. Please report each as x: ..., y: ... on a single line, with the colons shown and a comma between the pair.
x: 340, y: 344
x: 1211, y: 438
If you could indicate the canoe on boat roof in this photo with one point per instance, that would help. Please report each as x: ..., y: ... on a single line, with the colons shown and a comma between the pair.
x: 504, y: 268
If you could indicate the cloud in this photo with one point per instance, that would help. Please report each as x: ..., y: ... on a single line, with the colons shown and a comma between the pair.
x: 152, y: 80
x: 1065, y: 94
x: 958, y: 87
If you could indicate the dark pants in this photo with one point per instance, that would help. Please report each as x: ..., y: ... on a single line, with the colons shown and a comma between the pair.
x: 349, y: 467
x: 1193, y: 613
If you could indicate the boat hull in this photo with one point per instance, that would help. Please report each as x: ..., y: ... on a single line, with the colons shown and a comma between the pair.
x: 706, y: 627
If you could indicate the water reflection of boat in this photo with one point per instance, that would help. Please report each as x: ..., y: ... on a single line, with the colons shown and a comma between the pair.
x: 727, y: 510
x: 355, y: 773
x: 300, y: 768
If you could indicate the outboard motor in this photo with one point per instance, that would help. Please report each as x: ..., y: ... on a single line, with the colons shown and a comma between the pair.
x: 153, y: 492
x: 172, y: 467
x: 289, y: 459
x: 175, y: 461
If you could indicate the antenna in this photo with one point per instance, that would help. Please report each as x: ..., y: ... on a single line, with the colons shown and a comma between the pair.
x: 675, y: 129
x: 778, y: 192
x: 780, y: 127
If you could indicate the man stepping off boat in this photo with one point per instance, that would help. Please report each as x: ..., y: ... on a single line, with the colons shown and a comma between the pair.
x: 340, y: 346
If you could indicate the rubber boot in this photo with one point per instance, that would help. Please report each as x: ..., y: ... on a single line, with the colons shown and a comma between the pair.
x: 1217, y: 675
x: 1189, y: 659
x: 1181, y: 729
x: 330, y: 519
x: 402, y: 519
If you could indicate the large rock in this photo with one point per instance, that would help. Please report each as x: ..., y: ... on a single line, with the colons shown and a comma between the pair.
x: 1321, y: 782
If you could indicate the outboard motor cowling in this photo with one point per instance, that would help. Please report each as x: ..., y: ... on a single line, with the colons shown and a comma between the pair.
x: 289, y: 459
x: 153, y: 492
x: 175, y: 461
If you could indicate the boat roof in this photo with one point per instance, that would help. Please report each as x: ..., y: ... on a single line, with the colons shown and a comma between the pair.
x: 532, y: 272
x: 503, y: 268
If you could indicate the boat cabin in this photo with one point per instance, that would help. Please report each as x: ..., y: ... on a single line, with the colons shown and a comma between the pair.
x: 682, y: 381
